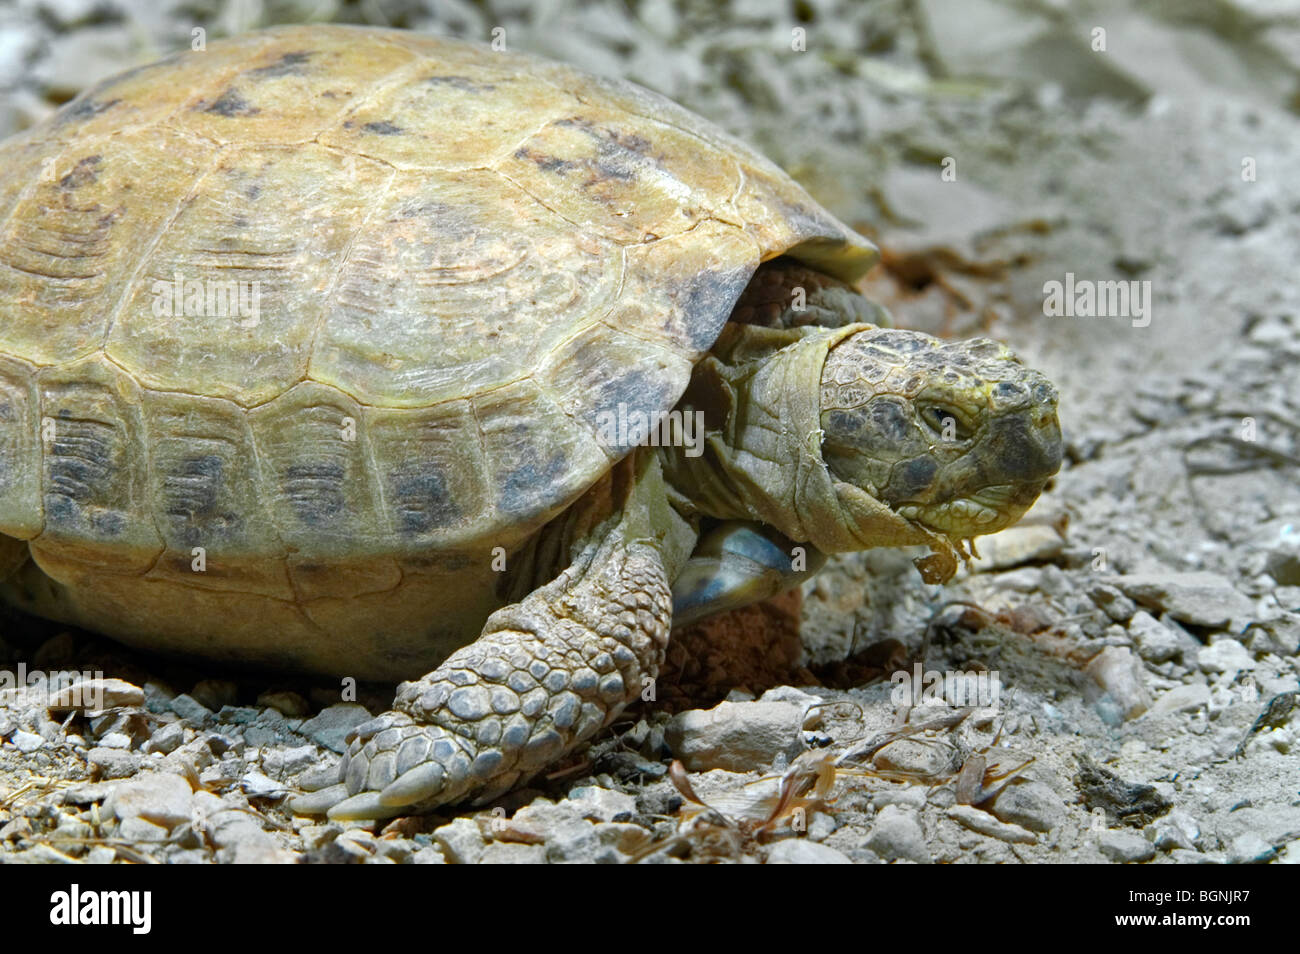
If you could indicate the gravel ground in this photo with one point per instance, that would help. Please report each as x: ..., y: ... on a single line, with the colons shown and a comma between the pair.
x: 1139, y: 628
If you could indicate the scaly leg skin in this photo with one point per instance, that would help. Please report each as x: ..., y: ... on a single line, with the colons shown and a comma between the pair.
x: 545, y: 676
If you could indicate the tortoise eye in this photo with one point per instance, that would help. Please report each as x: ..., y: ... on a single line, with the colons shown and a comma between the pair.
x: 945, y: 422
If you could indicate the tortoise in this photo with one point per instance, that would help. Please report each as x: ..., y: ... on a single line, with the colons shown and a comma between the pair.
x: 360, y: 352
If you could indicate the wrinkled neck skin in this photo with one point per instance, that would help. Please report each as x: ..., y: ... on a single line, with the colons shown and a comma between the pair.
x: 759, y: 391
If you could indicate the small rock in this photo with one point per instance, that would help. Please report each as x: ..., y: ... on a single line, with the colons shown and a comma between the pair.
x: 821, y: 826
x: 116, y: 740
x: 158, y: 798
x: 96, y: 695
x: 429, y: 855
x: 257, y: 785
x: 290, y: 761
x: 1031, y: 805
x: 190, y: 709
x: 1030, y: 543
x: 602, y: 804
x: 158, y: 697
x: 914, y: 758
x: 1202, y: 599
x: 800, y: 851
x: 573, y: 841
x: 811, y: 705
x: 736, y: 736
x: 1184, y: 698
x: 289, y: 703
x: 1112, y: 602
x: 512, y: 853
x: 238, y: 834
x: 1125, y: 847
x: 1225, y: 656
x: 27, y: 742
x: 1250, y: 849
x: 986, y: 824
x: 138, y: 829
x: 896, y: 834
x: 331, y: 726
x: 1156, y: 643
x: 461, y: 842
x: 1121, y: 675
x: 113, y: 763
x: 168, y: 737
x: 1282, y: 554
x: 1175, y: 830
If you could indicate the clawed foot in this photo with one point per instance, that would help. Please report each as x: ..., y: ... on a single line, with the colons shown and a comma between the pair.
x: 394, y: 766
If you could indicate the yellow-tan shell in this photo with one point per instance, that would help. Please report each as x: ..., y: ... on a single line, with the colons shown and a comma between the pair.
x: 461, y: 257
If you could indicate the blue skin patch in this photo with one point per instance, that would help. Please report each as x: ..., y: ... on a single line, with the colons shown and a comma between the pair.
x: 737, y: 564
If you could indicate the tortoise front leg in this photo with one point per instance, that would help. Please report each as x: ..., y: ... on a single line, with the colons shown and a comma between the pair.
x: 545, y: 676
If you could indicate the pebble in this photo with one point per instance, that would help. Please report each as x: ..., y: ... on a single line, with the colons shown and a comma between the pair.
x: 1201, y: 598
x: 1185, y: 698
x: 190, y: 709
x: 896, y: 835
x: 1113, y: 603
x: 821, y: 826
x: 116, y: 740
x: 736, y: 736
x: 289, y: 703
x: 1031, y: 543
x: 140, y: 829
x: 1156, y: 643
x: 986, y: 824
x: 1225, y: 656
x: 800, y: 851
x: 27, y: 742
x: 96, y: 695
x: 429, y: 855
x: 290, y: 761
x: 461, y: 841
x: 257, y: 785
x: 914, y: 758
x: 512, y: 853
x: 1125, y: 847
x: 156, y: 797
x: 113, y: 763
x: 573, y: 841
x: 167, y: 738
x: 330, y: 726
x: 238, y: 834
x: 1123, y: 678
x: 1176, y: 830
x: 1031, y: 805
x: 1250, y: 849
x: 602, y: 804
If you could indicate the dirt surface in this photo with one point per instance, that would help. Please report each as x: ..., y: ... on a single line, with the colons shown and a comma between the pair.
x: 1138, y: 631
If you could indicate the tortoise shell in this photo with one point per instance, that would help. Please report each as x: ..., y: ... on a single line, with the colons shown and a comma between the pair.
x: 327, y: 302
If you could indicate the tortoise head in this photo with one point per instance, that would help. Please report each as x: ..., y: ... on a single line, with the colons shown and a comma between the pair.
x: 959, y: 437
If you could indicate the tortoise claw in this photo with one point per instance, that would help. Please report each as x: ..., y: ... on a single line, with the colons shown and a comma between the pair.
x: 396, y: 766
